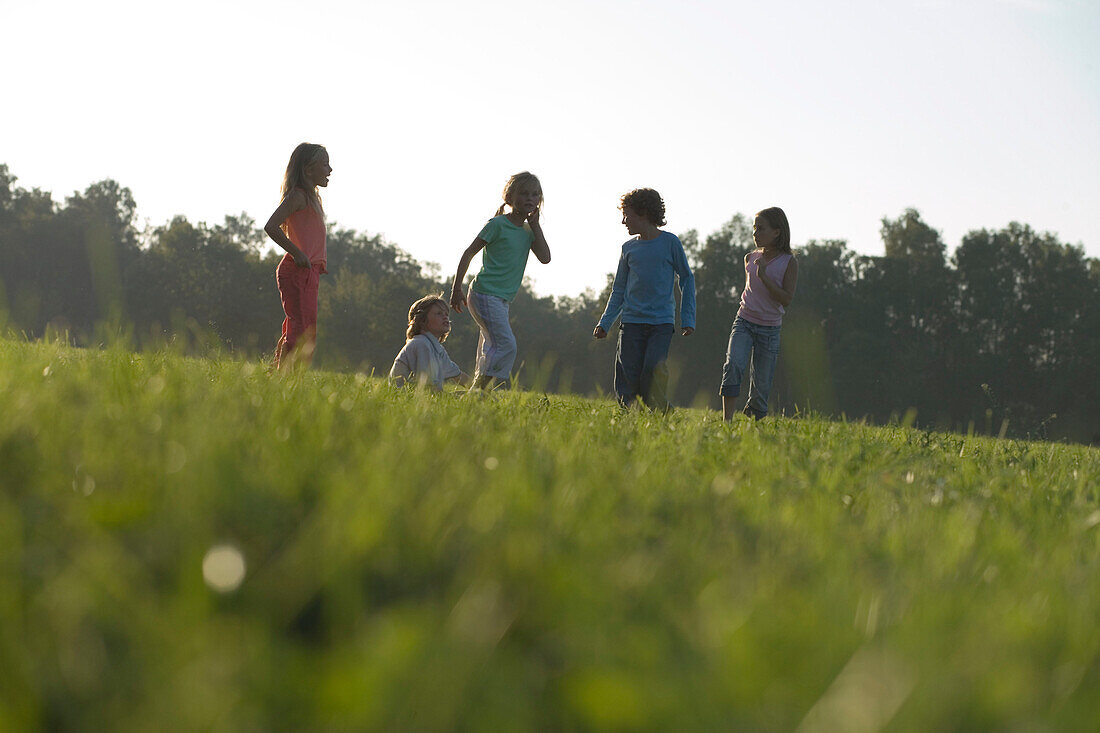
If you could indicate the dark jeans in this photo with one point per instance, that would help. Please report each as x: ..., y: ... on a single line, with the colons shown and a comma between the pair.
x: 640, y: 363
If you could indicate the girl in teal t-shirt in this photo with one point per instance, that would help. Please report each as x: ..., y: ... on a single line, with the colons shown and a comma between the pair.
x: 505, y: 240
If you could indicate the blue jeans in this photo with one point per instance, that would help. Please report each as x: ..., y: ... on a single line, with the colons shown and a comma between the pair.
x: 760, y: 345
x: 640, y: 363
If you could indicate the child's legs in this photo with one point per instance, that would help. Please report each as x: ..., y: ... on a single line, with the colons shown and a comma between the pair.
x: 496, y: 345
x: 484, y: 345
x: 751, y: 396
x: 307, y: 343
x: 765, y: 352
x: 729, y: 406
x: 738, y: 354
x: 288, y: 277
x: 653, y: 382
x: 629, y: 357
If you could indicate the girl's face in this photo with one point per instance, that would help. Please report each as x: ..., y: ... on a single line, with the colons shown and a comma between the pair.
x: 763, y: 234
x: 525, y: 199
x: 438, y: 321
x: 319, y: 170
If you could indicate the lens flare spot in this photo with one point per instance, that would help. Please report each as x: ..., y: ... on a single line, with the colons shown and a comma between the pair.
x: 223, y: 568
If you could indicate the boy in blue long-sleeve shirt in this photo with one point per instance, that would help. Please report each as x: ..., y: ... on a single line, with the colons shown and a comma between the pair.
x: 644, y: 293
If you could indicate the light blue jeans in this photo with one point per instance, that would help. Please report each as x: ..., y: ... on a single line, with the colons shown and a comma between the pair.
x: 758, y: 345
x: 496, y: 346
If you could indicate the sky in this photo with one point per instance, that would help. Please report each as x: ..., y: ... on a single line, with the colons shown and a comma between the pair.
x: 974, y: 112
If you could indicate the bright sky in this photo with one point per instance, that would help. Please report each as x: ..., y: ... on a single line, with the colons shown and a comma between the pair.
x: 976, y: 112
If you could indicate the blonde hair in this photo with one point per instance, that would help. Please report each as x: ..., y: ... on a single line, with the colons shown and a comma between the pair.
x: 514, y: 183
x: 418, y: 314
x: 295, y: 176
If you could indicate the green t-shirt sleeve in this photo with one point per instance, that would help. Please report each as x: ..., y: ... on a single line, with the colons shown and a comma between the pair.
x: 490, y: 231
x: 504, y: 258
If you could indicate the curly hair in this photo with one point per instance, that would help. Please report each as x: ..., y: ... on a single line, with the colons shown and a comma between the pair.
x: 418, y: 314
x: 646, y: 202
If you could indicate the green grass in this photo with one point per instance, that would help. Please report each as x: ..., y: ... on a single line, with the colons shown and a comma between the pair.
x: 520, y: 562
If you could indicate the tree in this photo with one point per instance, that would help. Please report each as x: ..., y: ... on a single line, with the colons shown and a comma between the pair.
x: 718, y: 263
x: 909, y: 238
x: 1009, y: 324
x: 815, y: 363
x: 364, y: 301
x: 1025, y: 305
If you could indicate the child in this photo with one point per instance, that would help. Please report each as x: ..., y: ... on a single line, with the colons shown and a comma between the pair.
x: 506, y: 239
x: 644, y: 292
x: 298, y: 226
x: 423, y: 359
x: 771, y: 275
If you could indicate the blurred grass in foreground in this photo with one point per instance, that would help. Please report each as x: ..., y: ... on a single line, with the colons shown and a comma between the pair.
x: 197, y: 544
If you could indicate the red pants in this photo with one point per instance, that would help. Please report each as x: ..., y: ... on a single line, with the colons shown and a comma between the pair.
x: 298, y: 291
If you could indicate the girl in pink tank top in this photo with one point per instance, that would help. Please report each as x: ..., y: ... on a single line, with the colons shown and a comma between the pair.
x: 298, y: 226
x: 771, y: 275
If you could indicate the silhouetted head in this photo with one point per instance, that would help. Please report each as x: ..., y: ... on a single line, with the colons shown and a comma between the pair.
x: 431, y: 315
x: 646, y: 203
x: 308, y: 168
x: 776, y: 221
x: 523, y: 193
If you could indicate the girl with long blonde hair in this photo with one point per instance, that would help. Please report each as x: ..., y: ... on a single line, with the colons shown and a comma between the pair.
x: 298, y: 226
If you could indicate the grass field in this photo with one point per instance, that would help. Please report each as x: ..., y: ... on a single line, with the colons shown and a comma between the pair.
x: 200, y: 545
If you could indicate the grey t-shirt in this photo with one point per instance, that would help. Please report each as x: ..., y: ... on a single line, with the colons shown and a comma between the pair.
x: 423, y: 360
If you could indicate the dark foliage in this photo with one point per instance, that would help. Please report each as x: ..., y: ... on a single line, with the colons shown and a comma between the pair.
x: 1004, y: 335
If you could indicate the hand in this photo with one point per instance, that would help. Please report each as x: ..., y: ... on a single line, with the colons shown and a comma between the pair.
x: 300, y: 259
x: 687, y: 331
x: 761, y: 268
x: 458, y: 301
x: 599, y: 333
x: 533, y: 217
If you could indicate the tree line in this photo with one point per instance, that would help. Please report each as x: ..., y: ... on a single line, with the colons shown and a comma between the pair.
x: 1001, y: 337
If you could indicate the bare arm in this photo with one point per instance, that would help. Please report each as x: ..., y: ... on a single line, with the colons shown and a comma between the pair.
x: 539, y: 245
x: 458, y: 298
x: 783, y: 294
x: 294, y: 201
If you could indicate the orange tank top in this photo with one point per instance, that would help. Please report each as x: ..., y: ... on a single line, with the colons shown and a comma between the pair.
x: 306, y: 229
